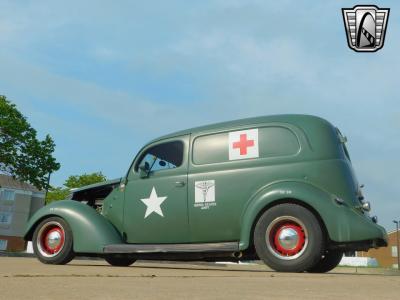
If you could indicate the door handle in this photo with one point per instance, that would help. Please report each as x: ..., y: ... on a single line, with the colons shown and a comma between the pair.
x: 180, y: 183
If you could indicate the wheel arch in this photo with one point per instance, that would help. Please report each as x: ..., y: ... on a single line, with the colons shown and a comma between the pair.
x: 90, y: 230
x: 31, y: 229
x: 317, y: 201
x: 290, y: 201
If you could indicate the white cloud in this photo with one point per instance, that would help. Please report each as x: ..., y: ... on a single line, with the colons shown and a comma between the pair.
x: 105, y: 53
x: 239, y: 59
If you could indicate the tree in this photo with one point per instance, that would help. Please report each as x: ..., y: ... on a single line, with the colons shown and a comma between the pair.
x: 22, y: 154
x: 77, y: 181
x: 56, y: 193
x: 74, y: 181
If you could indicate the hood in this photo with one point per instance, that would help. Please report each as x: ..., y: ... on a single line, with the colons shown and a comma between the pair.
x: 94, y: 191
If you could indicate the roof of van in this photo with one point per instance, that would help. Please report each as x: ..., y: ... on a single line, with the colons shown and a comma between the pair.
x: 295, y: 119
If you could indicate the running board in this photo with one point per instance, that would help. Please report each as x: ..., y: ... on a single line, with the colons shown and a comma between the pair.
x: 172, y: 248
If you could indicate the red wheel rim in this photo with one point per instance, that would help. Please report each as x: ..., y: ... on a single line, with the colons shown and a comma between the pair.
x: 51, y: 239
x: 287, y: 239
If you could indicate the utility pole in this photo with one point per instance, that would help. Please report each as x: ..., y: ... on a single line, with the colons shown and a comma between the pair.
x: 48, y: 184
x: 398, y: 244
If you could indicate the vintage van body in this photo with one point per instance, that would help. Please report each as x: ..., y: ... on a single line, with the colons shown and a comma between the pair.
x: 279, y: 188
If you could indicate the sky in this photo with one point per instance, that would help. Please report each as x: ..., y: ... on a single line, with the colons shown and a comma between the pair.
x: 105, y: 77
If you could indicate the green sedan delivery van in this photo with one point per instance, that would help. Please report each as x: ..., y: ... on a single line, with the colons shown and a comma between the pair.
x: 277, y: 188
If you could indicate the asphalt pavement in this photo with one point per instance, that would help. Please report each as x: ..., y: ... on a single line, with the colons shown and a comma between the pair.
x: 27, y: 278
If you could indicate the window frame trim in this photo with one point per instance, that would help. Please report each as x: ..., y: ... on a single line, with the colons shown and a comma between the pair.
x: 184, y: 139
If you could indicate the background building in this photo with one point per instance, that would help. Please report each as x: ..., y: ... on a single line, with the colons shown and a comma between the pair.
x: 18, y: 201
x: 386, y: 256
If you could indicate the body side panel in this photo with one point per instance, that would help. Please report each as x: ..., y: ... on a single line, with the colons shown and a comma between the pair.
x: 235, y: 182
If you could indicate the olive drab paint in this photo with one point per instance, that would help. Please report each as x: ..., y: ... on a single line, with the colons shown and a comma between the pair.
x: 210, y: 184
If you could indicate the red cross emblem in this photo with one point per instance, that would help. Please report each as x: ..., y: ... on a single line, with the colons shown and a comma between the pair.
x: 243, y: 143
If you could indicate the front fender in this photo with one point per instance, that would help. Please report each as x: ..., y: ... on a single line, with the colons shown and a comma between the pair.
x: 342, y: 222
x: 91, y: 231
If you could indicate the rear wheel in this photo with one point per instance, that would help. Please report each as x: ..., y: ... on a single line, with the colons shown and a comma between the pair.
x: 288, y: 238
x: 52, y: 241
x: 119, y: 260
x: 329, y: 261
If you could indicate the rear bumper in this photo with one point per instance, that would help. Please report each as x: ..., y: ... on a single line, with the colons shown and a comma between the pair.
x: 361, y: 233
x: 349, y: 224
x: 360, y: 245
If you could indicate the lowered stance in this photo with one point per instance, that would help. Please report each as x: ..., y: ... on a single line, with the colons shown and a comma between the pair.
x: 279, y: 188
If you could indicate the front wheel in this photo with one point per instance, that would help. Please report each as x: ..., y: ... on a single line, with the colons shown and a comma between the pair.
x: 52, y: 241
x: 288, y: 238
x: 119, y: 260
x: 330, y: 261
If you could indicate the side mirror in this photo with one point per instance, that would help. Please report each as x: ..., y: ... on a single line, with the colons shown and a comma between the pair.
x: 144, y: 170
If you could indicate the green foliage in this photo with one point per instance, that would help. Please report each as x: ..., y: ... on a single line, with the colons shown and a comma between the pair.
x: 57, y: 193
x: 77, y: 181
x: 74, y: 181
x: 22, y: 155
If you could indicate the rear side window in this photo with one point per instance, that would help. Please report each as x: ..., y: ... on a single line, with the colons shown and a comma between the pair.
x: 272, y: 141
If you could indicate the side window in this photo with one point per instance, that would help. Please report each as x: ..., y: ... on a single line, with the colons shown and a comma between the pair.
x: 162, y: 157
x: 272, y: 141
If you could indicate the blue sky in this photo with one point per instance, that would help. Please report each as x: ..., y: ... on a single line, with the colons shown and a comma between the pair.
x: 104, y: 77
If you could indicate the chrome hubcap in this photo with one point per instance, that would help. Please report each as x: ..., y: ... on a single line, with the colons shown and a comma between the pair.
x: 53, y: 239
x: 288, y: 238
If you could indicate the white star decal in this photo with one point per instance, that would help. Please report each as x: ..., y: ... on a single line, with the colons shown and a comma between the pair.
x: 153, y: 203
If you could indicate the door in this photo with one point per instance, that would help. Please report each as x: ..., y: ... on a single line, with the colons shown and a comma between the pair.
x: 155, y: 204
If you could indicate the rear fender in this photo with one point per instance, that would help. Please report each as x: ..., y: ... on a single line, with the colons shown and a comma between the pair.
x: 91, y: 231
x: 342, y: 222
